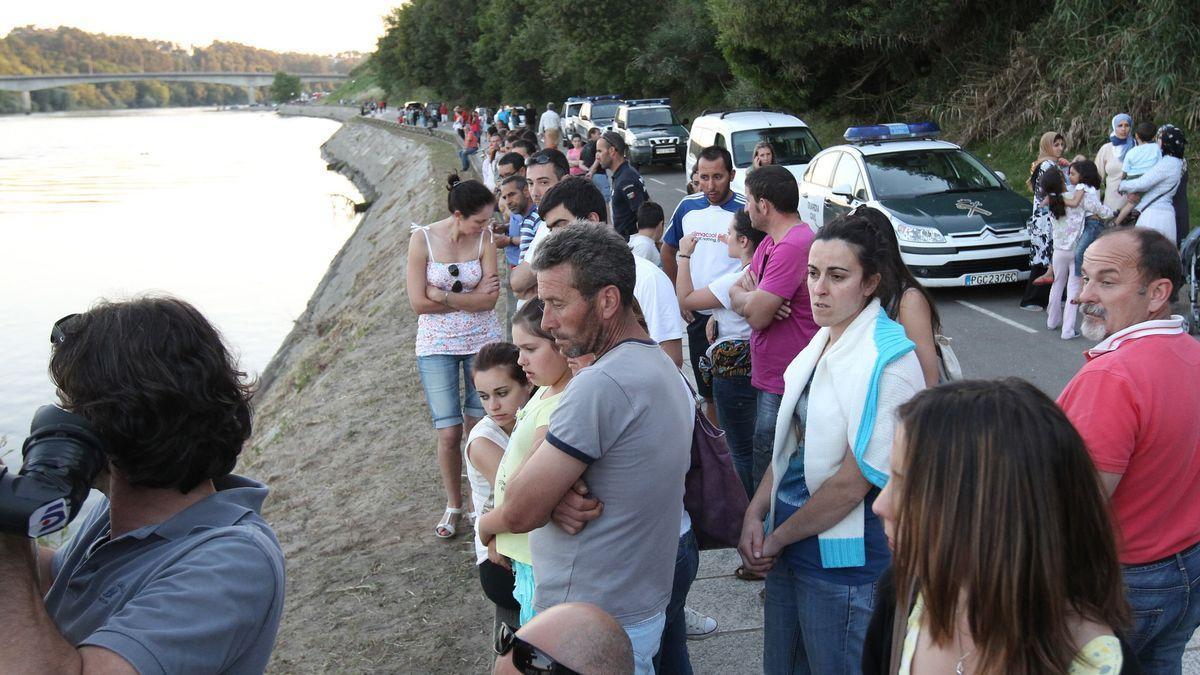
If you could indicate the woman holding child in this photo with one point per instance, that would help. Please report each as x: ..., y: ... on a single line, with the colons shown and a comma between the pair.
x: 1156, y: 187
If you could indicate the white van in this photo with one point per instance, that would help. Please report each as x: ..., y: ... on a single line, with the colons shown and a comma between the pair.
x: 740, y: 130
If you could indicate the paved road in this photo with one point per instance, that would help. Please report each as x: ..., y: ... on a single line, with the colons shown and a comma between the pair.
x: 991, y: 336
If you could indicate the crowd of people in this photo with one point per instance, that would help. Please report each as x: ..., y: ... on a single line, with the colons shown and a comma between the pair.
x: 901, y: 521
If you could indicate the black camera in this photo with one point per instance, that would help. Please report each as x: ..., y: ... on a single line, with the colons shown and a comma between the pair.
x: 62, y: 457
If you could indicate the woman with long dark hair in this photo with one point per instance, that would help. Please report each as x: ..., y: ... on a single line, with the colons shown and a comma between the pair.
x: 453, y: 287
x: 823, y: 548
x: 1005, y: 561
x: 1041, y: 223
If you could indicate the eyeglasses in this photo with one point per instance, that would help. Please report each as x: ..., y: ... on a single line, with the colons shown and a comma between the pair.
x: 458, y: 285
x: 539, y: 159
x: 58, y: 334
x: 527, y: 658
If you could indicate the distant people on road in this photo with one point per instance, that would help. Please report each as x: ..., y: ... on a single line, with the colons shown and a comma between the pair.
x: 1158, y: 186
x: 764, y: 155
x: 773, y: 296
x: 574, y: 637
x: 574, y: 156
x: 549, y: 120
x: 175, y: 569
x: 906, y: 301
x: 471, y: 142
x: 503, y: 389
x: 545, y: 367
x: 453, y: 285
x: 824, y: 548
x: 1138, y: 161
x: 1036, y: 589
x: 706, y: 214
x: 727, y: 359
x: 1041, y: 223
x: 628, y: 186
x: 644, y: 243
x: 1110, y: 159
x: 1135, y: 402
x: 623, y: 429
x: 487, y: 163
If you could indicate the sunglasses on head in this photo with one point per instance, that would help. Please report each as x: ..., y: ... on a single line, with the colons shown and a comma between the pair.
x: 58, y: 333
x: 538, y: 159
x: 527, y: 658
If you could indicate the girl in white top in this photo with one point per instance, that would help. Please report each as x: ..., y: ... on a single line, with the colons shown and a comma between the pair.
x: 1083, y: 201
x: 729, y: 353
x: 503, y: 389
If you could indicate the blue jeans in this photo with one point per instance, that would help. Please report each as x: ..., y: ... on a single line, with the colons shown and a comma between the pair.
x: 737, y: 408
x: 764, y: 434
x: 463, y: 154
x: 644, y: 637
x: 673, y: 653
x: 813, y: 626
x: 440, y: 380
x: 1166, y: 609
x: 1091, y: 230
x: 601, y: 181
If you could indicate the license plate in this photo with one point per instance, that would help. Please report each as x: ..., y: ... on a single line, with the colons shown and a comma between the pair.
x: 664, y: 151
x: 986, y: 278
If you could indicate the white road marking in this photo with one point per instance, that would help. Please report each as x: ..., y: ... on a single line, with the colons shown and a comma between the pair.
x: 1001, y: 319
x: 656, y: 180
x: 681, y: 191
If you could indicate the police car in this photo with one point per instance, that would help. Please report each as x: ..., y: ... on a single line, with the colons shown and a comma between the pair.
x: 597, y: 111
x: 738, y: 131
x: 652, y: 131
x: 957, y: 221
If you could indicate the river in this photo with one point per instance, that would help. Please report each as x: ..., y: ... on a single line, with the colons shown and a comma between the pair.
x: 234, y: 212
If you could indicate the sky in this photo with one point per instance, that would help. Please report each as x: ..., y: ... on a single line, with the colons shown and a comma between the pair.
x: 348, y: 25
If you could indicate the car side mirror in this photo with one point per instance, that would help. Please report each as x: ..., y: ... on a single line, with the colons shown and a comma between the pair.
x: 843, y: 190
x: 1001, y: 176
x: 686, y: 122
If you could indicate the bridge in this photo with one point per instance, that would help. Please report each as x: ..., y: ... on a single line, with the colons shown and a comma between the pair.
x: 27, y: 83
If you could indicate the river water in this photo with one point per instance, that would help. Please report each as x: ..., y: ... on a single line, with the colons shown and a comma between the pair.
x: 234, y: 212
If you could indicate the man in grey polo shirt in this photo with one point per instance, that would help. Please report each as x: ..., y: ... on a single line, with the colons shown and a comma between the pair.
x: 623, y: 426
x: 175, y: 571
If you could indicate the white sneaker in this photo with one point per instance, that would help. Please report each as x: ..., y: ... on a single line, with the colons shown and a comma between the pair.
x: 699, y: 626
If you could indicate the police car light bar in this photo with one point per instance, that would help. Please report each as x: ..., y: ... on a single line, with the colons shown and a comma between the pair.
x: 878, y: 133
x: 605, y: 97
x: 648, y: 101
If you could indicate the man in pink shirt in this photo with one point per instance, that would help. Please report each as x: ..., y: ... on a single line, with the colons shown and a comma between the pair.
x: 1136, y: 402
x: 773, y: 296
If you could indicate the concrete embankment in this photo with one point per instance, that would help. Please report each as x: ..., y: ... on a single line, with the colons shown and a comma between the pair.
x: 344, y: 440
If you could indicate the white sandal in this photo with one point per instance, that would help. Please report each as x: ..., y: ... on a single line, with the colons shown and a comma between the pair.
x: 448, y: 523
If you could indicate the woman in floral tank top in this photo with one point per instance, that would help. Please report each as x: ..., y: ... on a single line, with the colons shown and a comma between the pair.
x: 453, y: 287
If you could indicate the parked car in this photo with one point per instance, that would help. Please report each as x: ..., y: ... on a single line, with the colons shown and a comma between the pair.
x: 958, y: 222
x: 740, y: 130
x: 652, y: 131
x: 569, y: 118
x: 597, y: 111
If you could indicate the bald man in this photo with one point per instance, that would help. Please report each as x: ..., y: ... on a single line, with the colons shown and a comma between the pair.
x: 577, y: 635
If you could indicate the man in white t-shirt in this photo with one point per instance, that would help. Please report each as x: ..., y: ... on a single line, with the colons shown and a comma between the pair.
x: 707, y: 214
x: 549, y: 120
x: 644, y: 242
x: 578, y: 199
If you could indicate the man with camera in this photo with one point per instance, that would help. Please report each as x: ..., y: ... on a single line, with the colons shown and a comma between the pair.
x: 175, y: 571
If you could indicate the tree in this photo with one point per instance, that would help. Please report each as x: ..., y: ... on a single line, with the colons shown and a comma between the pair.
x: 285, y: 87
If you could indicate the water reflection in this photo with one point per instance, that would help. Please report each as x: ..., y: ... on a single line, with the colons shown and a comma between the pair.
x: 232, y: 211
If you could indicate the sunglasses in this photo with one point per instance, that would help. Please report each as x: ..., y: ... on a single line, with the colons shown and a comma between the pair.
x: 457, y: 286
x: 538, y: 159
x: 58, y: 334
x: 527, y: 658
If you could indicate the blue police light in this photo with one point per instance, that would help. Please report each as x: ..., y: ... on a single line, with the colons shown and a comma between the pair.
x: 648, y: 101
x: 876, y: 133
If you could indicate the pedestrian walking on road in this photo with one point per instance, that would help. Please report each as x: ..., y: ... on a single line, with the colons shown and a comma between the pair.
x: 1041, y: 223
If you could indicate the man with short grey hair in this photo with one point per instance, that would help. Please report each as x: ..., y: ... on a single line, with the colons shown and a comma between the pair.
x: 623, y: 426
x: 548, y: 120
x: 1135, y: 403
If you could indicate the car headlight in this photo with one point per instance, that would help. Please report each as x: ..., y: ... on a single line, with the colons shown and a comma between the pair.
x: 917, y: 234
x: 642, y: 143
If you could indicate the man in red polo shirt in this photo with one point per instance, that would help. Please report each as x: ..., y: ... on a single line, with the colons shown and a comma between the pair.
x: 1136, y: 402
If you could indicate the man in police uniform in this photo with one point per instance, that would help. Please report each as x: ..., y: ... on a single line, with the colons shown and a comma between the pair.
x: 628, y: 187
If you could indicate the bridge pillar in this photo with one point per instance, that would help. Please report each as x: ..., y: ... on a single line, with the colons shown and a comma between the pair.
x: 26, y: 103
x: 250, y: 94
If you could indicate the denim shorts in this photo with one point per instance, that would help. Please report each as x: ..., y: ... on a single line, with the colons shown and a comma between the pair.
x: 440, y: 375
